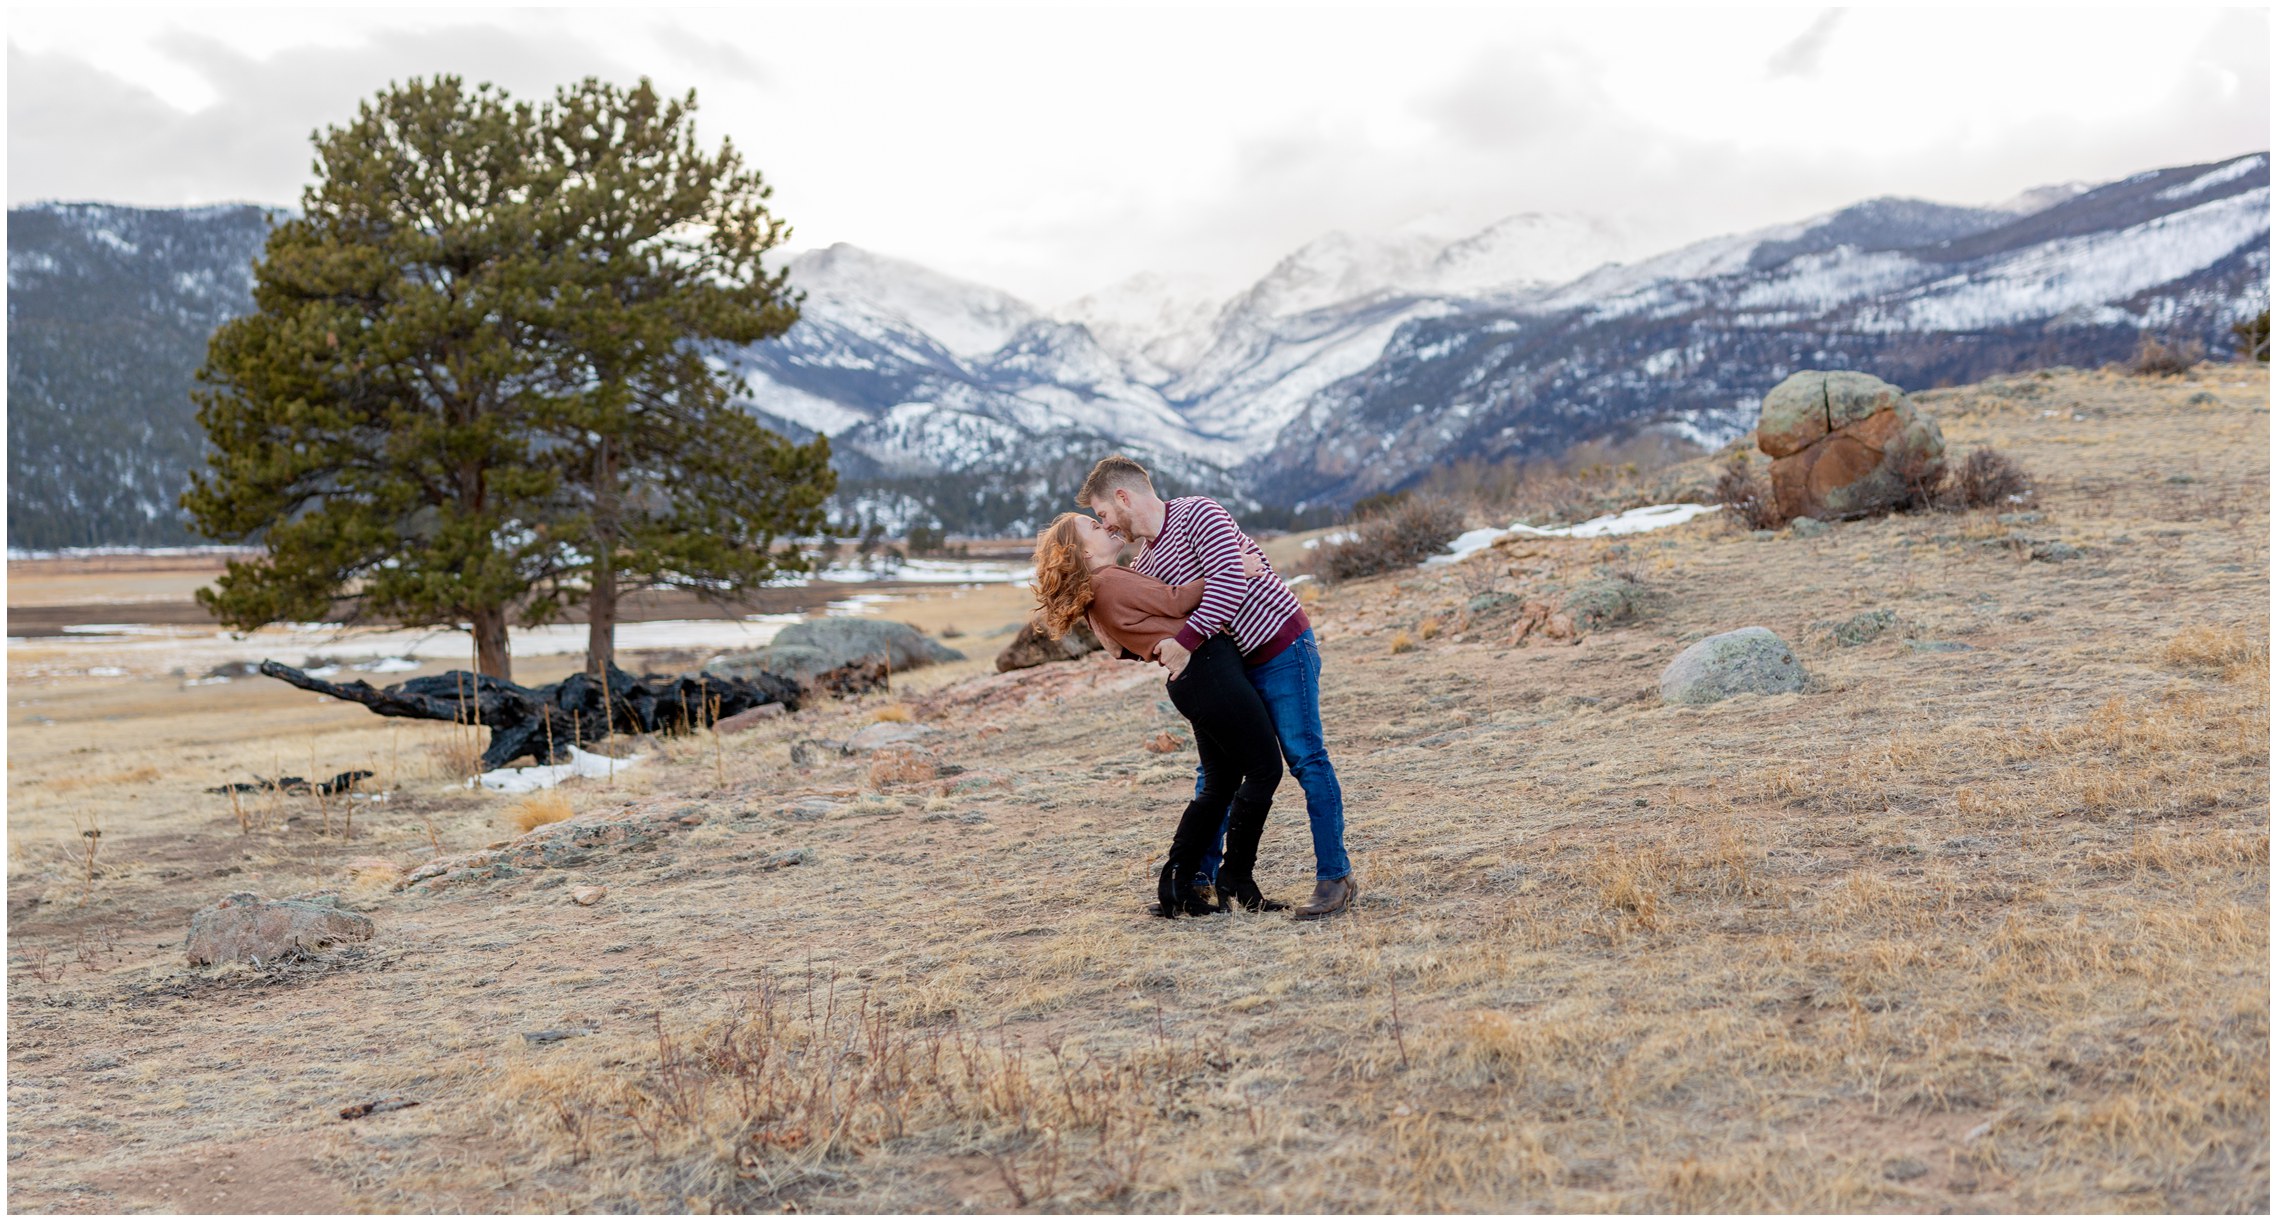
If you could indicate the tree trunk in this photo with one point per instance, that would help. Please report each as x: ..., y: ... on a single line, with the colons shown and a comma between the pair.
x: 490, y: 656
x: 601, y: 630
x: 601, y: 598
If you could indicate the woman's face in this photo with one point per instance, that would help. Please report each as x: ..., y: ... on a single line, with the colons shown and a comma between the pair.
x: 1099, y: 547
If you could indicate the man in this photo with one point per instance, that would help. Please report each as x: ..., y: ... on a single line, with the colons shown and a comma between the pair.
x: 1192, y: 538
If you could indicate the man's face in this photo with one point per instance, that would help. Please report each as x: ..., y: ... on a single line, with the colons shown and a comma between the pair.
x: 1114, y: 509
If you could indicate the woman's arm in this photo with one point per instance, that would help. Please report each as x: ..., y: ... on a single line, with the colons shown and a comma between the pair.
x: 1146, y: 596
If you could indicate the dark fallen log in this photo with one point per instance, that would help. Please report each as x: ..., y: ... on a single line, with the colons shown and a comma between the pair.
x: 544, y: 722
x: 341, y: 783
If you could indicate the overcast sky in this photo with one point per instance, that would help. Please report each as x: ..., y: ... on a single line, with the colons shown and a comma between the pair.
x: 1051, y: 150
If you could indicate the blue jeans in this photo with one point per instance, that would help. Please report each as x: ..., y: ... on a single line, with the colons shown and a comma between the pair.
x: 1290, y: 684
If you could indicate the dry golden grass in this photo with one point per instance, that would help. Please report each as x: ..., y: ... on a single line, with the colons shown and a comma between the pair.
x: 897, y: 711
x: 457, y: 756
x: 2223, y: 648
x: 535, y: 810
x: 1980, y: 930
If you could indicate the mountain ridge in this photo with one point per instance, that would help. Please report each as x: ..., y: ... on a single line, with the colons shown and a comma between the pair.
x: 1352, y: 366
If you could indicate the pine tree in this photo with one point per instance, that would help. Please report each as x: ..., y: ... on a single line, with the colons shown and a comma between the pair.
x: 475, y: 383
x: 372, y: 420
x: 655, y: 248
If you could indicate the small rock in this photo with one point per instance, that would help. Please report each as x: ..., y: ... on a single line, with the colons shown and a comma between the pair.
x: 1032, y: 648
x: 245, y: 926
x: 1763, y: 535
x: 1729, y: 663
x: 883, y: 734
x: 788, y: 857
x: 1906, y: 1169
x: 1940, y: 647
x: 1863, y: 627
x: 586, y: 897
x: 807, y: 810
x: 1807, y: 527
x: 1161, y: 743
x: 2056, y: 551
x: 748, y: 719
x: 2027, y: 518
x: 554, y: 1036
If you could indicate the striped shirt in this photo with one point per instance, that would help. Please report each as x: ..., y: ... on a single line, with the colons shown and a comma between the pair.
x: 1200, y: 542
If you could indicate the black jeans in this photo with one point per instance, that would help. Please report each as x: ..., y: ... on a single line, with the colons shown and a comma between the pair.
x: 1241, y: 766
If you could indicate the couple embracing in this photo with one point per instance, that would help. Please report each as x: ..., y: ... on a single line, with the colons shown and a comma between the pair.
x: 1202, y: 601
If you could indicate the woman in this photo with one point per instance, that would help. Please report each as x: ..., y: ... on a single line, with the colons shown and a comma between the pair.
x: 1131, y: 613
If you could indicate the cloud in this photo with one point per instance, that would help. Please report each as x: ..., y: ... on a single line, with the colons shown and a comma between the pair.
x: 998, y: 159
x: 1800, y: 57
x: 715, y: 57
x: 84, y: 134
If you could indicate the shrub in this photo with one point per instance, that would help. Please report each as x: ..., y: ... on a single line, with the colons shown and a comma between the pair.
x: 1748, y: 496
x: 1988, y: 477
x: 2253, y: 338
x: 2156, y: 356
x: 538, y: 809
x: 1377, y: 504
x: 1925, y: 480
x: 1603, y: 602
x: 1400, y: 537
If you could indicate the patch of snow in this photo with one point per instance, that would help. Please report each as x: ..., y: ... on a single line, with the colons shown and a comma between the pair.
x: 389, y: 666
x: 1627, y: 522
x: 2216, y: 177
x: 582, y: 763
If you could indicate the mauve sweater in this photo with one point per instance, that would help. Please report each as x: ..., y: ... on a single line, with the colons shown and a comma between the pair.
x: 1131, y: 612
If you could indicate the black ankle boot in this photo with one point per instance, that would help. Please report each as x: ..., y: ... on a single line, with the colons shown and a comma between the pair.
x: 1176, y: 891
x: 1244, y: 891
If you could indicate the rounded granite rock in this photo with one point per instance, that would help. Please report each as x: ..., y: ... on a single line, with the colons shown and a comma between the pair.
x: 1729, y: 664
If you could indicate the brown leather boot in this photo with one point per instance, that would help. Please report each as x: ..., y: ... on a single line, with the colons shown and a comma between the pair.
x: 1328, y: 899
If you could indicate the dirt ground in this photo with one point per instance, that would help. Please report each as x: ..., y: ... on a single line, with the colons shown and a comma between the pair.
x: 1978, y: 921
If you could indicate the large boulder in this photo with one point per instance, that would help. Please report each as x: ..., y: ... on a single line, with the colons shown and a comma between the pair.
x: 858, y: 640
x: 809, y: 649
x: 1844, y: 444
x: 1032, y: 648
x: 244, y: 926
x: 1730, y: 663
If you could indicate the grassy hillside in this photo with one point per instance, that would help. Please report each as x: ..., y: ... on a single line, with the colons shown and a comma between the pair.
x: 1979, y: 921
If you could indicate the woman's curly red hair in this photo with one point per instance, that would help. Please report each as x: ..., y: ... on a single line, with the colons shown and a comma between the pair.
x: 1063, y: 576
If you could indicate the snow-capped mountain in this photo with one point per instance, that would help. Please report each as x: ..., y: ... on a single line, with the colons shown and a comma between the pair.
x: 1356, y: 364
x: 1153, y: 325
x: 1689, y: 340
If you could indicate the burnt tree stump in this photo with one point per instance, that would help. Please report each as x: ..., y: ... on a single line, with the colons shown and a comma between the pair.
x: 543, y: 722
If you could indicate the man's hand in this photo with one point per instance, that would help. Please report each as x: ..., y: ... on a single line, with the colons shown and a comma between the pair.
x: 1251, y: 564
x: 1173, y: 655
